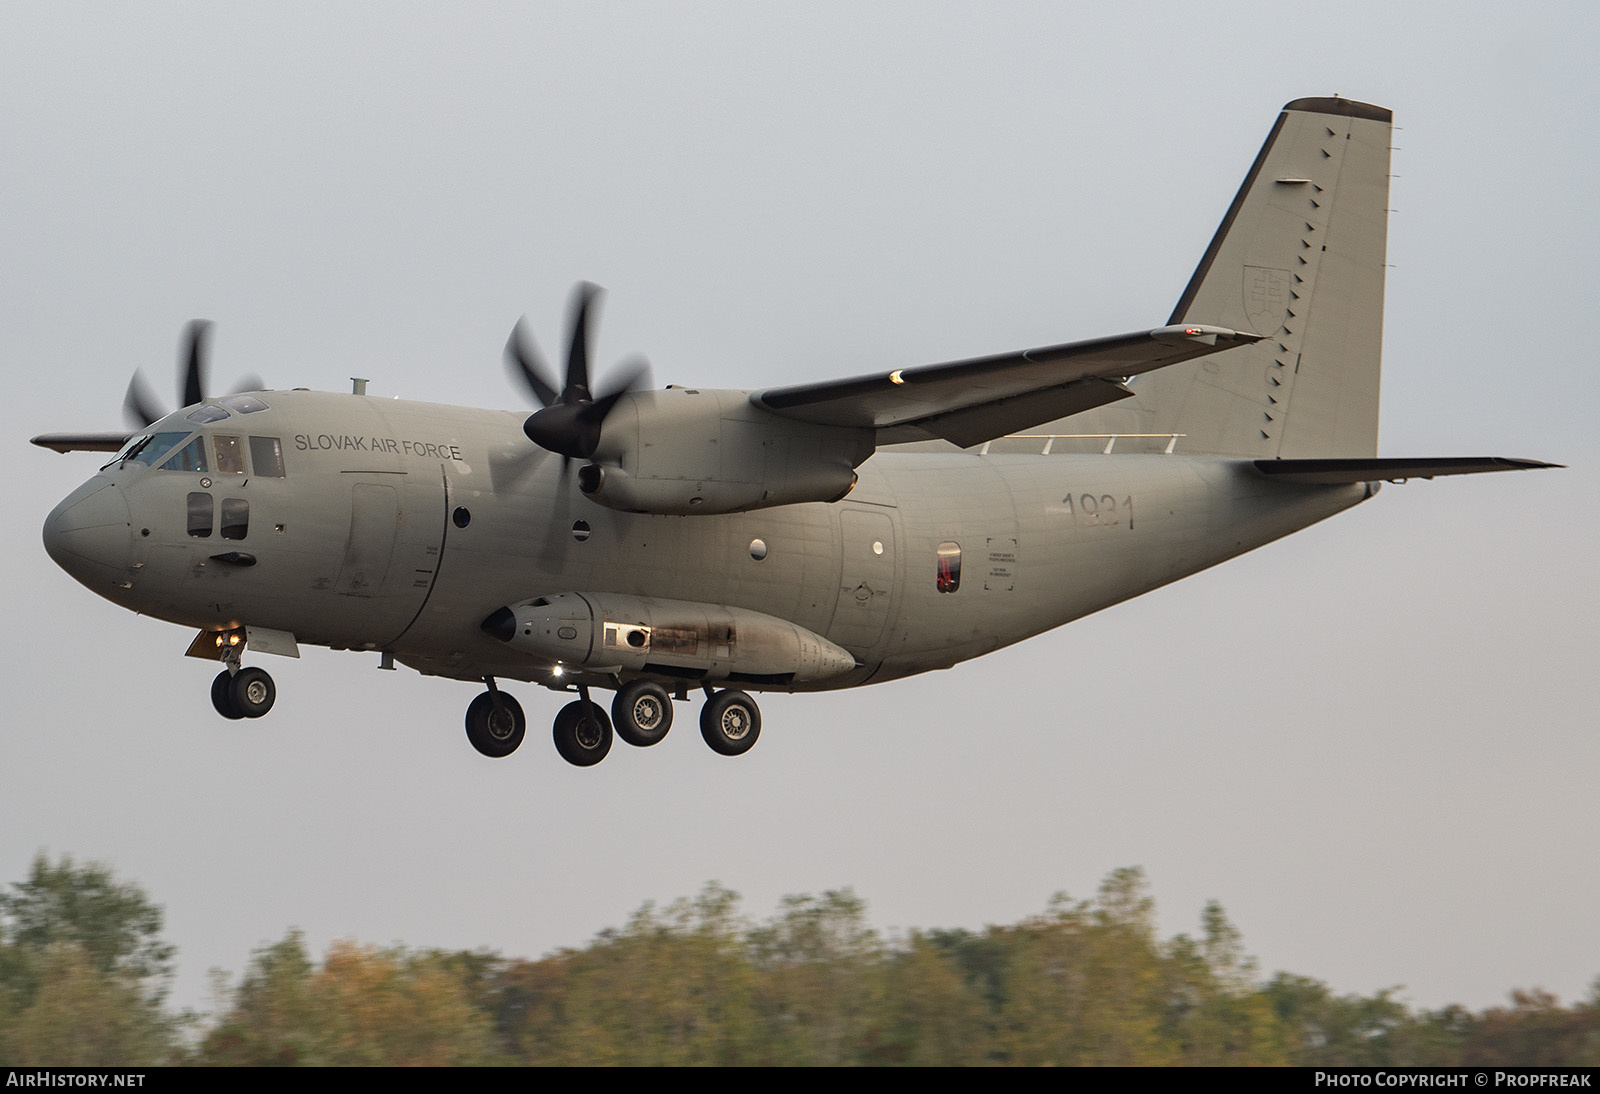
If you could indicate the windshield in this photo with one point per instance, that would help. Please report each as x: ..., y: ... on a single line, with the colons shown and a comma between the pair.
x: 133, y: 444
x: 147, y: 450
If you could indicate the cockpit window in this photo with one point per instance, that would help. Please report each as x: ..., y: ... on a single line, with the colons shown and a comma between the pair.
x: 244, y: 404
x: 129, y: 449
x: 191, y: 457
x: 208, y: 413
x: 230, y: 454
x: 151, y: 447
x: 266, y: 454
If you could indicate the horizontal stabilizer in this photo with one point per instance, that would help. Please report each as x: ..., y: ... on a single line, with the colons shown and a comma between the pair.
x: 82, y: 442
x: 1336, y: 472
x: 972, y: 401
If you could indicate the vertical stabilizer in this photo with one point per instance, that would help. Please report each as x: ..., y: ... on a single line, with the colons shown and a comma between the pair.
x: 1299, y: 258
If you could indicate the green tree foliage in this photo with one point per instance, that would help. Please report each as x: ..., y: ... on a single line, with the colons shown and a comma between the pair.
x: 79, y: 1016
x: 821, y: 978
x: 362, y: 1007
x: 1535, y: 1031
x: 83, y: 970
x: 117, y: 927
x: 672, y: 987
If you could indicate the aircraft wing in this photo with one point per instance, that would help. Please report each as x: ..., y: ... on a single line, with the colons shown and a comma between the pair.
x: 972, y: 401
x: 82, y: 442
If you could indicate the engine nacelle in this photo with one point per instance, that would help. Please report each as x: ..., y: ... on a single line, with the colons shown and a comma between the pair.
x: 615, y: 634
x: 685, y: 451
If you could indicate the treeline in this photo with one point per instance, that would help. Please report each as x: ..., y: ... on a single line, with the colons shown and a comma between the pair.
x: 84, y: 973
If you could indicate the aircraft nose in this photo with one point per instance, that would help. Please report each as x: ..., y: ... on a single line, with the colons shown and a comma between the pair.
x: 90, y: 536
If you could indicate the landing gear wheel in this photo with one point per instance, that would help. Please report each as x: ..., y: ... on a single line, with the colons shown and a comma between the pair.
x: 730, y: 722
x: 251, y: 692
x: 220, y: 697
x: 495, y: 724
x: 583, y: 733
x: 642, y: 713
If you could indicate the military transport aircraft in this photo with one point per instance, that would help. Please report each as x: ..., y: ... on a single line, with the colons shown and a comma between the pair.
x: 825, y: 535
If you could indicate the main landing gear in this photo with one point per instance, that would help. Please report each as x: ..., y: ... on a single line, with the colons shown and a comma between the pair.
x: 243, y: 693
x: 583, y: 732
x: 642, y: 711
x: 495, y: 723
x: 730, y: 722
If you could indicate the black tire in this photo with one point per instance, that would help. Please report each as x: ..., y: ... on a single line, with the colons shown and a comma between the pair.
x: 252, y: 692
x: 730, y: 722
x: 495, y: 728
x: 220, y: 697
x: 582, y: 733
x: 642, y: 713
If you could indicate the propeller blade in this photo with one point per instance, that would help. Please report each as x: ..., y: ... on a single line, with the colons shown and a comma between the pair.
x: 558, y: 525
x: 139, y: 407
x: 570, y: 424
x: 632, y: 374
x: 527, y: 365
x: 197, y: 338
x: 510, y: 468
x: 577, y: 389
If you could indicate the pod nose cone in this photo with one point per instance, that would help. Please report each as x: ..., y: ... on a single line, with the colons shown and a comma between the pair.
x: 90, y: 536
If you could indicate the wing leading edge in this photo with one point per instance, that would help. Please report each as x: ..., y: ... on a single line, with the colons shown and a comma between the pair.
x: 972, y: 401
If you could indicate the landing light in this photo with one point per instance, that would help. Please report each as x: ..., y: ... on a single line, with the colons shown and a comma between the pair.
x: 558, y: 671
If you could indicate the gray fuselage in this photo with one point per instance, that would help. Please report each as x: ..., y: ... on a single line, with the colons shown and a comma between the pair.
x: 401, y: 526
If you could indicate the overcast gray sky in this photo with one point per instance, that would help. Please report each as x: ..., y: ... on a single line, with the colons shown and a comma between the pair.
x: 1374, y: 742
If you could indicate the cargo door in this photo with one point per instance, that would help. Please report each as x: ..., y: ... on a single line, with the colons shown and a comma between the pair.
x: 391, y: 557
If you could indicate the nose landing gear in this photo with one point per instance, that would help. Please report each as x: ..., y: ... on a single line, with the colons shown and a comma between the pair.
x: 243, y: 693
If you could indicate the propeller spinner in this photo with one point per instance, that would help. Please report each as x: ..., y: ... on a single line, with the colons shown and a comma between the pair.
x: 571, y: 421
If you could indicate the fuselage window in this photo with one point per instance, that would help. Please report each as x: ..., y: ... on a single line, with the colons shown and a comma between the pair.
x: 200, y: 515
x: 235, y: 518
x: 948, y: 578
x: 266, y: 456
x: 230, y: 454
x: 191, y: 457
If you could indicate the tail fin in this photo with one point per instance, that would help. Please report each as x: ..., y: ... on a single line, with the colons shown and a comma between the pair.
x: 1299, y: 258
